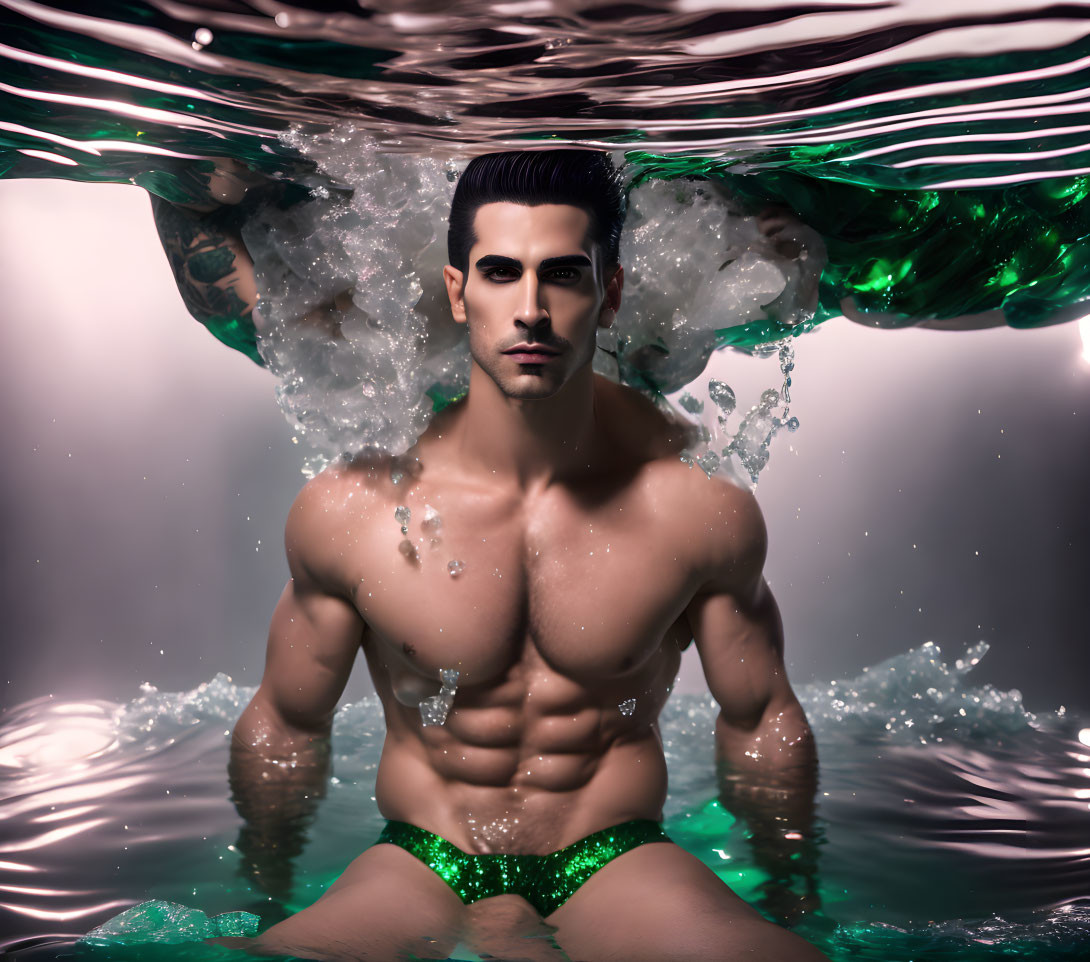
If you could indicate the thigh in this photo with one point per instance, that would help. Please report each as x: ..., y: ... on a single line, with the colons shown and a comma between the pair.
x: 386, y: 906
x: 660, y: 904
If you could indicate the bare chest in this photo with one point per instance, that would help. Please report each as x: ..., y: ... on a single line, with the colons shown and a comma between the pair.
x: 500, y: 590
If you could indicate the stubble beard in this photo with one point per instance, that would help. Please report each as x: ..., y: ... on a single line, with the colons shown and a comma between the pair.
x: 528, y: 386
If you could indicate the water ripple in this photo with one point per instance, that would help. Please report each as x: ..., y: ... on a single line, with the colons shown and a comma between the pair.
x: 835, y: 87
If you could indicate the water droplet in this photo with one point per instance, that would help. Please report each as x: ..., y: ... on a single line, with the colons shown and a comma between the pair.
x: 709, y: 463
x: 691, y: 404
x: 432, y: 521
x: 722, y: 395
x: 402, y: 515
x: 456, y: 568
x: 627, y: 707
x: 434, y: 710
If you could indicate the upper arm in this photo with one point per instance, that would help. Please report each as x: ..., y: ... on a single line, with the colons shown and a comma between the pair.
x: 316, y: 629
x: 210, y: 263
x: 215, y: 272
x: 734, y: 618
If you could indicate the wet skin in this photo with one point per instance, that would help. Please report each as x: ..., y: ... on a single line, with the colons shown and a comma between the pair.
x: 592, y: 556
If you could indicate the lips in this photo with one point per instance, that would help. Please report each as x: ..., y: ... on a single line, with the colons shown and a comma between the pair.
x: 530, y: 354
x: 531, y: 349
x: 530, y: 358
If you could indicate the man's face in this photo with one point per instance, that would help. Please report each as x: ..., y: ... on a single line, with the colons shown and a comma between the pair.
x: 534, y: 280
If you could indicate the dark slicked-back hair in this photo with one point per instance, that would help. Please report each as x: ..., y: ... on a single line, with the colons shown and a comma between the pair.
x: 579, y: 177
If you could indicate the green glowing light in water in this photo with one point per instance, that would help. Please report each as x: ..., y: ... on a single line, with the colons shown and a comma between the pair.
x: 161, y: 931
x: 944, y: 254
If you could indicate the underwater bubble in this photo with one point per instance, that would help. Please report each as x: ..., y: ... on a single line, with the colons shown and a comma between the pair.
x: 434, y: 710
x: 750, y: 444
x: 402, y: 515
x: 691, y: 404
x: 723, y: 395
x: 408, y: 549
x: 368, y: 258
x: 787, y: 358
x: 202, y: 37
x: 709, y: 463
x: 432, y: 521
x: 754, y: 430
x: 455, y: 568
x: 627, y: 707
x: 367, y: 252
x: 792, y: 424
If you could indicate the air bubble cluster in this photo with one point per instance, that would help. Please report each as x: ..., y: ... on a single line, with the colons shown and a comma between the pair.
x: 355, y: 322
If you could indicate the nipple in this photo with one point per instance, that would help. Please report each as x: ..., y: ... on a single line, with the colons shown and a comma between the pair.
x: 434, y: 710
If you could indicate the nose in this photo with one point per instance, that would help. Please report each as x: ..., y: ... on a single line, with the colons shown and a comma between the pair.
x: 530, y: 312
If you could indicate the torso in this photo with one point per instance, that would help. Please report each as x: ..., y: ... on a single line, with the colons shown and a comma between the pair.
x: 566, y: 625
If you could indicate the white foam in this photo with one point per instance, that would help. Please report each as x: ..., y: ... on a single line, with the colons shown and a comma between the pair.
x: 374, y: 232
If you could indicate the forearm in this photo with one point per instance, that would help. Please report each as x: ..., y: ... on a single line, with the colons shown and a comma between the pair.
x: 277, y: 775
x: 768, y: 778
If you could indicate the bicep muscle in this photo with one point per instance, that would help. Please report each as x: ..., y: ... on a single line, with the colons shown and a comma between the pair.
x: 313, y: 640
x: 740, y: 641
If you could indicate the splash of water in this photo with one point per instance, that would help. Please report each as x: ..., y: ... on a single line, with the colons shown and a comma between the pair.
x: 696, y: 264
x: 996, y: 762
x: 940, y: 150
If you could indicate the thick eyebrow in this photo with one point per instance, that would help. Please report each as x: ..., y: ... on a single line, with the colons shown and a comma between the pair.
x: 566, y: 260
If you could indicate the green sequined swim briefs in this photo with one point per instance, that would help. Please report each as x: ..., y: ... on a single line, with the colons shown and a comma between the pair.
x: 545, y: 881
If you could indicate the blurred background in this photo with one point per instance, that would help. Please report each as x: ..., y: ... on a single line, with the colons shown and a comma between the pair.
x: 935, y: 490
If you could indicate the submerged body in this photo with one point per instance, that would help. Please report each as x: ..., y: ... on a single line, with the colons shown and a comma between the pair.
x: 544, y: 551
x: 566, y: 626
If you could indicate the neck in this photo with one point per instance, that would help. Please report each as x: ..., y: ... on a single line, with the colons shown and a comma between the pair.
x: 529, y: 443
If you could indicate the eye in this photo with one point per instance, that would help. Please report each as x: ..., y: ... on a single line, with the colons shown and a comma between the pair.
x: 493, y: 272
x: 564, y: 274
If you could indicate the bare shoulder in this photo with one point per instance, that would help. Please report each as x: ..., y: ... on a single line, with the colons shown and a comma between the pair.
x: 721, y: 524
x: 639, y: 430
x: 332, y: 511
x: 718, y: 522
x: 733, y: 528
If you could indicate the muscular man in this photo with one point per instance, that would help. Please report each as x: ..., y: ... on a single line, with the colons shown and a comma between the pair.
x: 576, y: 557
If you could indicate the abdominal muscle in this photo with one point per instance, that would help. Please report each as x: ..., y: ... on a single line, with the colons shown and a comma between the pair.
x: 516, y: 774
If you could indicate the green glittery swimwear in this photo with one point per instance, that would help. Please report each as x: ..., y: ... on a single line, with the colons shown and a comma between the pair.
x: 545, y: 881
